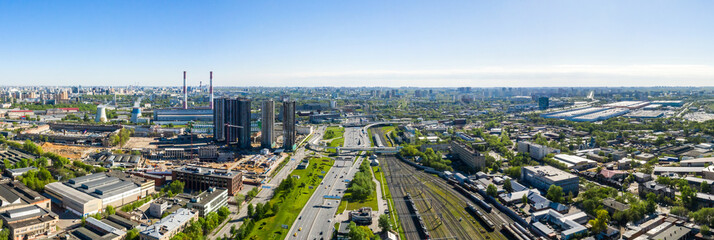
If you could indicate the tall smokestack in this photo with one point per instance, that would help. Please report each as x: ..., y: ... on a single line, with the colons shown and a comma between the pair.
x: 210, y: 90
x: 185, y: 94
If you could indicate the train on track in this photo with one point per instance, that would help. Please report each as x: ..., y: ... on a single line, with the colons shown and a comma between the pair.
x: 482, y: 217
x: 423, y: 231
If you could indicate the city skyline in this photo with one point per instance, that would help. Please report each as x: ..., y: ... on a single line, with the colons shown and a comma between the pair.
x: 354, y: 44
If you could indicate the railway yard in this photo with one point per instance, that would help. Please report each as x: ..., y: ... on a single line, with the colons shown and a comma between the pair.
x: 430, y: 208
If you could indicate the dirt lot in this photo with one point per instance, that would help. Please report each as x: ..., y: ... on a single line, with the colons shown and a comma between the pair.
x: 141, y: 142
x: 71, y: 152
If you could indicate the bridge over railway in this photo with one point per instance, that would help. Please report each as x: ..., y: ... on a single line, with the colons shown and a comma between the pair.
x: 315, y: 145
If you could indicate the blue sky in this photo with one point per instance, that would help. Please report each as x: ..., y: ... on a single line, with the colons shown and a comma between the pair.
x: 358, y: 43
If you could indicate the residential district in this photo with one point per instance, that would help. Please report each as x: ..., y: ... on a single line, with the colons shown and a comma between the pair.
x: 194, y: 162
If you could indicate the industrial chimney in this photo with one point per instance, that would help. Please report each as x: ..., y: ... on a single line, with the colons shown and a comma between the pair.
x: 210, y: 90
x: 185, y: 94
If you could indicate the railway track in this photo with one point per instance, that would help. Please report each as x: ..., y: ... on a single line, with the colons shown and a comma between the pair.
x: 405, y: 216
x: 445, y: 219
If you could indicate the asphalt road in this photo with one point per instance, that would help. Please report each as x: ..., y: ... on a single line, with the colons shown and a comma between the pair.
x: 316, y: 218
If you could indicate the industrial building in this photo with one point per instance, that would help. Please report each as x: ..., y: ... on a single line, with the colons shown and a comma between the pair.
x: 542, y: 177
x: 601, y: 115
x: 169, y: 226
x: 183, y: 115
x: 92, y: 193
x: 72, y: 199
x: 289, y: 129
x: 15, y: 195
x: 468, y: 155
x: 31, y: 222
x: 268, y: 124
x: 199, y: 179
x: 209, y: 201
x: 575, y: 162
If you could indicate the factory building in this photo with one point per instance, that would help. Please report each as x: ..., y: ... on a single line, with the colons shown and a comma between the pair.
x: 542, y: 177
x: 197, y: 178
x: 72, y: 199
x: 92, y: 193
x: 183, y: 115
x: 289, y: 129
x: 268, y: 124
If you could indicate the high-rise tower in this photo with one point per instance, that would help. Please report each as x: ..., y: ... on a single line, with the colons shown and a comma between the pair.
x: 289, y: 130
x: 267, y: 131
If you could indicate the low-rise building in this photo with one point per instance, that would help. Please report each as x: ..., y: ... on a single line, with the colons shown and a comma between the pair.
x: 14, y: 173
x: 542, y: 177
x: 31, y: 222
x: 157, y: 208
x: 363, y: 216
x: 197, y: 178
x: 657, y: 189
x: 169, y: 226
x: 536, y: 151
x: 575, y: 162
x: 209, y: 201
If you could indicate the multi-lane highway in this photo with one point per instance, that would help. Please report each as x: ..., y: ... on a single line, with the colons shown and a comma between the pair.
x: 316, y: 218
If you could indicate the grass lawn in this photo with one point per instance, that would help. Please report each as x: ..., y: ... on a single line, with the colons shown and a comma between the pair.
x: 386, y: 130
x: 371, y: 139
x: 292, y: 203
x: 338, y: 132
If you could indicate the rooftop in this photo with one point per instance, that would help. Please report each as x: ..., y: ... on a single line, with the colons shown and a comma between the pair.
x: 169, y: 223
x: 551, y: 173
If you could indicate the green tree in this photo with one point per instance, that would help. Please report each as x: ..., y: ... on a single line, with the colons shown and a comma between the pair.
x: 704, y: 187
x: 110, y: 210
x: 384, y: 223
x: 507, y: 185
x: 524, y: 199
x: 705, y: 230
x: 250, y: 210
x: 599, y: 224
x: 359, y: 232
x: 132, y: 234
x: 555, y: 194
x: 491, y: 190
